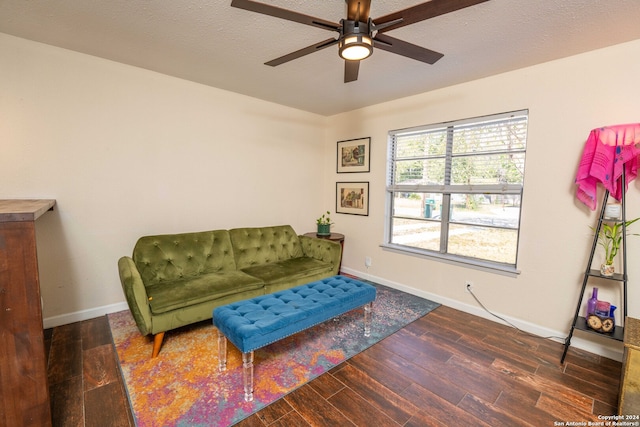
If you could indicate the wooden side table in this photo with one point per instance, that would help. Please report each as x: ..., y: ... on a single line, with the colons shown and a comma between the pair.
x: 629, y: 400
x: 335, y: 237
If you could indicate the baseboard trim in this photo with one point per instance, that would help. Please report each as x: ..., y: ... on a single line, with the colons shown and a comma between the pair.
x: 609, y: 349
x: 79, y: 316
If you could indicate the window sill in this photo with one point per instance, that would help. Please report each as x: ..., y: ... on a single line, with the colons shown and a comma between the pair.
x: 486, y: 266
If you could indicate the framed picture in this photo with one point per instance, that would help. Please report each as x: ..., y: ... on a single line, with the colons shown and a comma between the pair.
x: 354, y: 155
x: 352, y: 198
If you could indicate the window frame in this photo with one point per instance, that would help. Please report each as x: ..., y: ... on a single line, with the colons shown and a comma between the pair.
x: 446, y: 191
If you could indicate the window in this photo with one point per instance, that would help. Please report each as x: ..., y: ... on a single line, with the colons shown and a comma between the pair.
x: 454, y: 190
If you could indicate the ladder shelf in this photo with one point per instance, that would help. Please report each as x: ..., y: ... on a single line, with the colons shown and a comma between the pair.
x: 580, y: 322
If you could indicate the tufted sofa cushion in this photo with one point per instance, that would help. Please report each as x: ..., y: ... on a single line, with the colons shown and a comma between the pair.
x: 164, y: 297
x: 254, y: 323
x: 175, y: 257
x: 264, y: 245
x: 288, y: 271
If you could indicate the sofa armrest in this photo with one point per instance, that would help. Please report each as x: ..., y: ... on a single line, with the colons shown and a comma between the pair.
x: 323, y: 250
x: 135, y: 293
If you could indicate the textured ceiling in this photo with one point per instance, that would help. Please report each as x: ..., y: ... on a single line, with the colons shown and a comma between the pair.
x: 210, y: 42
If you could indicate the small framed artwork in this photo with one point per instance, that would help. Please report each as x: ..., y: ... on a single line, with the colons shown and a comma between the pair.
x: 352, y: 198
x: 354, y: 155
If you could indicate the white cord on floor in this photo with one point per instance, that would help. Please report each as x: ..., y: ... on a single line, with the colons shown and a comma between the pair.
x: 507, y: 322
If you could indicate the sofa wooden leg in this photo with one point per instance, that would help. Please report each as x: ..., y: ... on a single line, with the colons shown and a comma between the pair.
x: 157, y: 343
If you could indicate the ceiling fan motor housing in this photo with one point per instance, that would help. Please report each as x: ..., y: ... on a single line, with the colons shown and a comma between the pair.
x: 355, y: 40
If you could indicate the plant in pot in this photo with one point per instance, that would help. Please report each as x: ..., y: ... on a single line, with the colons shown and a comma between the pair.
x: 324, y: 224
x: 610, y: 237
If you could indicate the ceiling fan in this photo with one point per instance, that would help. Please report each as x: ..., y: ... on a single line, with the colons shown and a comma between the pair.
x: 359, y: 34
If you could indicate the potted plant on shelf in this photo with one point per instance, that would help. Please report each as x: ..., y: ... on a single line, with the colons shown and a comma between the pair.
x: 609, y: 238
x: 324, y: 224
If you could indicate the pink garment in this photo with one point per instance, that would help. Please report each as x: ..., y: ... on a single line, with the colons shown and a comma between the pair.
x: 606, y: 152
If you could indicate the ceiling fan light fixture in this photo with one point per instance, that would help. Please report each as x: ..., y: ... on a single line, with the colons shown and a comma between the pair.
x: 355, y: 47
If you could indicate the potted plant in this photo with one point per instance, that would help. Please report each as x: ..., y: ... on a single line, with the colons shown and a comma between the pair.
x: 324, y: 224
x: 610, y: 237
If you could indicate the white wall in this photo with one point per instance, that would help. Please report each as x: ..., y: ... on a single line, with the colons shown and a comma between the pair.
x: 565, y: 99
x: 127, y: 152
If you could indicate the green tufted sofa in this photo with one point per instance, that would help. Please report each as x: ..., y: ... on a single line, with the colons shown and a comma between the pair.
x: 177, y: 279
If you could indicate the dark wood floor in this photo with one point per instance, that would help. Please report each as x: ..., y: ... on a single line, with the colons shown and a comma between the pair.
x: 448, y: 368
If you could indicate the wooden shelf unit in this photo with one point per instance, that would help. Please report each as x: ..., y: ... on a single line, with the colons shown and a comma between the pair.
x: 23, y: 368
x: 579, y: 322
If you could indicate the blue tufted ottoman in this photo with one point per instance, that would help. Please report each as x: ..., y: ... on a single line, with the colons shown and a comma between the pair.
x: 257, y: 322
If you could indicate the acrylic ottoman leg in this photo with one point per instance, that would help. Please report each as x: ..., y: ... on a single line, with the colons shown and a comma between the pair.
x: 222, y: 351
x: 247, y: 371
x: 367, y: 319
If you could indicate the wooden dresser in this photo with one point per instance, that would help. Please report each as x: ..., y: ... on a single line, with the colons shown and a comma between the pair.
x: 23, y: 367
x: 630, y: 381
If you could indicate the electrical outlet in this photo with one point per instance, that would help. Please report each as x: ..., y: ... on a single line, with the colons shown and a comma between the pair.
x: 367, y: 261
x: 468, y: 285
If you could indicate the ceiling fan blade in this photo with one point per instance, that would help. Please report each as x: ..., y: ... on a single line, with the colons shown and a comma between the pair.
x: 289, y: 15
x: 302, y: 52
x: 358, y: 10
x: 351, y: 69
x: 424, y: 11
x: 391, y: 44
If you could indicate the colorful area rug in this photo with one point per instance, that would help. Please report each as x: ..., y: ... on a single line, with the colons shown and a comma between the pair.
x: 182, y: 386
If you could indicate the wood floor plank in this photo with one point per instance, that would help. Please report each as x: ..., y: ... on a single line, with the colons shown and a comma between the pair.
x: 97, y: 404
x: 548, y: 353
x: 521, y: 405
x: 502, y: 375
x: 455, y: 372
x: 491, y: 414
x: 550, y: 385
x: 603, y: 408
x: 253, y: 420
x: 565, y: 412
x: 273, y: 412
x: 608, y: 368
x: 360, y: 411
x: 392, y: 404
x: 606, y: 363
x: 315, y: 410
x: 568, y: 384
x: 48, y: 334
x: 513, y: 342
x: 421, y: 347
x: 381, y: 371
x: 65, y: 358
x: 95, y: 332
x: 459, y: 349
x: 452, y: 315
x: 523, y: 361
x: 425, y: 373
x: 292, y: 419
x: 327, y: 385
x: 595, y: 376
x: 69, y: 332
x: 417, y: 327
x: 491, y: 327
x: 581, y: 355
x: 422, y: 419
x: 440, y: 326
x: 99, y: 367
x: 440, y: 409
x: 67, y: 402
